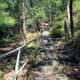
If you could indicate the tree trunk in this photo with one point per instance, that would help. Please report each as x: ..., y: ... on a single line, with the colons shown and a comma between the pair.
x: 68, y: 20
x: 24, y: 24
x: 71, y: 18
x: 66, y: 31
x: 50, y: 15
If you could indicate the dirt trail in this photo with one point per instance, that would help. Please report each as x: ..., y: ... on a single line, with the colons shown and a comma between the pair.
x: 50, y: 69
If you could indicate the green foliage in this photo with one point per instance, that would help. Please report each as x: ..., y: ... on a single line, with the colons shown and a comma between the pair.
x: 5, y: 17
x: 3, y: 5
x: 76, y: 8
x: 39, y: 13
x: 9, y: 14
x: 9, y: 21
x: 76, y: 5
x: 57, y: 33
x: 57, y: 29
x: 40, y: 10
x: 31, y: 23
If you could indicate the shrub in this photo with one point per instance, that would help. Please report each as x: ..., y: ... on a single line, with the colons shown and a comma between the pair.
x: 57, y: 30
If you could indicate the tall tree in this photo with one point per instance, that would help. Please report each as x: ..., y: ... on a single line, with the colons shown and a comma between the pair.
x: 26, y: 12
x: 71, y: 17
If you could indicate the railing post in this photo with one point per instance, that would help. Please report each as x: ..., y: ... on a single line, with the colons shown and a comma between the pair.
x: 17, y: 62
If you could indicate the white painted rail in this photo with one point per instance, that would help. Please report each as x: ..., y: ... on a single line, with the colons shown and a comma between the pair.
x: 17, y: 62
x: 18, y: 50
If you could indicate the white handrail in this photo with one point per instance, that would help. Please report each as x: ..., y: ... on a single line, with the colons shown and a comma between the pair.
x: 17, y: 62
x: 10, y: 52
x: 17, y: 70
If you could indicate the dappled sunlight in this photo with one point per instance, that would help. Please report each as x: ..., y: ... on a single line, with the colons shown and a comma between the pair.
x: 32, y: 35
x: 39, y: 39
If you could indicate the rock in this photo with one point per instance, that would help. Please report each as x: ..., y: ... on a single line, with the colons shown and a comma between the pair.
x: 45, y: 33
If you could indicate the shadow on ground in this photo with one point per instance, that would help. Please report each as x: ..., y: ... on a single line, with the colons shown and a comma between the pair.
x: 70, y: 56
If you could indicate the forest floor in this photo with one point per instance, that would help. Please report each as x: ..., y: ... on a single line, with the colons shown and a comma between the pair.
x: 63, y: 65
x: 7, y: 66
x: 50, y: 68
